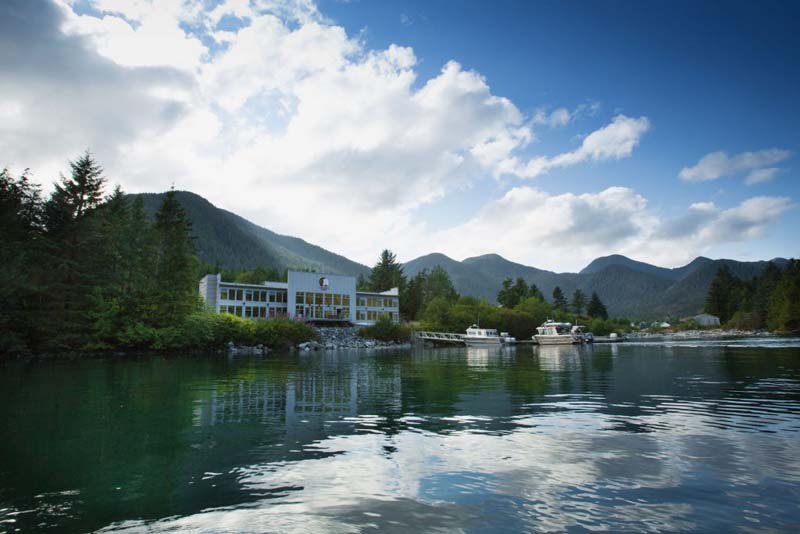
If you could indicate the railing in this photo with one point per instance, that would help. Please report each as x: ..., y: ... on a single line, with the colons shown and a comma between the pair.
x: 440, y: 336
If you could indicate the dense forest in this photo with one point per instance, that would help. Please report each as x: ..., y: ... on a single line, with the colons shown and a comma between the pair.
x: 770, y: 300
x: 85, y: 270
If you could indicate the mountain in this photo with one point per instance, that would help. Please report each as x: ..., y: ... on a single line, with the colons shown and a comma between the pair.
x: 617, y: 259
x: 627, y: 287
x: 226, y: 239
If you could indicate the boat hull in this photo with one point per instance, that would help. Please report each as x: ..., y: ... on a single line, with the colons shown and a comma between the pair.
x: 555, y: 340
x: 482, y: 342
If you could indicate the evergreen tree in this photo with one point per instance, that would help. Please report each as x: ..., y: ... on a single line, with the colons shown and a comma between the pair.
x: 719, y: 297
x: 559, y: 300
x: 534, y: 292
x: 76, y: 249
x: 362, y: 284
x: 596, y: 309
x: 439, y: 284
x: 424, y: 287
x: 784, y: 309
x: 387, y: 273
x: 578, y: 301
x: 505, y: 297
x: 175, y: 279
x: 20, y: 265
x: 765, y: 286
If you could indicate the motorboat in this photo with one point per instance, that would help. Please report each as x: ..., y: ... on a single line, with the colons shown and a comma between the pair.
x: 507, y: 339
x: 555, y: 333
x: 482, y: 337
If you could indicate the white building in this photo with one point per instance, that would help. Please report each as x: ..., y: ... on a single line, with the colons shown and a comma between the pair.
x: 706, y: 319
x: 310, y: 296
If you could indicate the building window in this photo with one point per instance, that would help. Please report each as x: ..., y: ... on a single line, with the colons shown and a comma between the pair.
x: 223, y: 294
x: 248, y: 295
x: 328, y: 299
x: 346, y: 300
x: 239, y: 294
x: 337, y: 300
x: 298, y: 298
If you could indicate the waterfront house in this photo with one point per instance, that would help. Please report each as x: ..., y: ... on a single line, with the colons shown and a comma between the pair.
x: 706, y: 319
x: 310, y: 296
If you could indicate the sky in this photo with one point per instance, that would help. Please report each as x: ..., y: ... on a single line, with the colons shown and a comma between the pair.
x: 548, y: 132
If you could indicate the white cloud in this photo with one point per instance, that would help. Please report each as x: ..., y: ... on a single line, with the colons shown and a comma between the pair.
x: 294, y: 124
x: 141, y: 33
x: 758, y: 176
x: 613, y: 141
x: 718, y: 164
x: 562, y: 116
x: 568, y: 230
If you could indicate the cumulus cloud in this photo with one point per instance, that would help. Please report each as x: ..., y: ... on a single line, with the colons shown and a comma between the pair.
x: 718, y: 164
x: 286, y: 119
x: 758, y: 176
x: 569, y: 230
x: 60, y: 96
x: 613, y: 141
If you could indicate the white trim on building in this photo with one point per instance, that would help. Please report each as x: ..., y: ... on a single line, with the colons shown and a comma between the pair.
x: 309, y: 296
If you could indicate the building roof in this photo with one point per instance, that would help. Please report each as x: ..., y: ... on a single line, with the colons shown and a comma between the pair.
x: 394, y: 292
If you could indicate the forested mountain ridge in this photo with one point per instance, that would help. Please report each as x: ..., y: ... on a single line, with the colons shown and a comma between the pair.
x: 627, y: 287
x: 230, y: 241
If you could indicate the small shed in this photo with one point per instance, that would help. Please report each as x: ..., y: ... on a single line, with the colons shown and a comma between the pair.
x: 706, y: 319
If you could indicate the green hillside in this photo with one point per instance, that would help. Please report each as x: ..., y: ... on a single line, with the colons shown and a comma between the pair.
x: 627, y: 287
x: 230, y: 241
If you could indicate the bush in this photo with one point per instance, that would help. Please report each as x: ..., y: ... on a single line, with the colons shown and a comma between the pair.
x: 213, y: 331
x: 386, y: 330
x: 281, y: 333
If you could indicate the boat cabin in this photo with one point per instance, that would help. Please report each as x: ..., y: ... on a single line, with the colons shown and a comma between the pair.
x: 475, y: 331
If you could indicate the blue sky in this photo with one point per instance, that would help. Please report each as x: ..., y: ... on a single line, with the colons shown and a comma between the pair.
x: 549, y: 132
x: 711, y: 76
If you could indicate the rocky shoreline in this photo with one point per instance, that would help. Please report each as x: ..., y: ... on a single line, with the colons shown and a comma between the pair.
x: 330, y: 338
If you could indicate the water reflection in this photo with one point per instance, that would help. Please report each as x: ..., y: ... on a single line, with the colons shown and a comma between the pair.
x: 559, y: 438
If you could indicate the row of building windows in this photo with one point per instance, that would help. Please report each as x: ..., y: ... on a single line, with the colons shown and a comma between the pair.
x: 320, y: 299
x: 377, y: 302
x: 251, y: 295
x: 372, y: 315
x: 322, y: 312
x: 253, y: 312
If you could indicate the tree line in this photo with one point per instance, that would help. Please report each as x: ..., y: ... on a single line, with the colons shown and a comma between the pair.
x: 86, y: 270
x: 770, y: 300
x: 430, y: 298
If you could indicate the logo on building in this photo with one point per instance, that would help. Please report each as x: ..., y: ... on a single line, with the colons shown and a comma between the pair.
x: 324, y: 283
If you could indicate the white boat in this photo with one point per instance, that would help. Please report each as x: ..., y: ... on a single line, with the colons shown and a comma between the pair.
x: 555, y: 333
x: 481, y: 337
x: 507, y: 339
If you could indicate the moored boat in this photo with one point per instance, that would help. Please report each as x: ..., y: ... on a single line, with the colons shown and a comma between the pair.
x: 555, y: 333
x: 507, y: 339
x: 481, y: 337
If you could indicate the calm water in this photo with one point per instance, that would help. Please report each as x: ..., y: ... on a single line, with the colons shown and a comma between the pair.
x: 688, y: 437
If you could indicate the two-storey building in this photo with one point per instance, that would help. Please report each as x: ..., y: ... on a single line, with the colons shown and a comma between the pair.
x: 309, y: 296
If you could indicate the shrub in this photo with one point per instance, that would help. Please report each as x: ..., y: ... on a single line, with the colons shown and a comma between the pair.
x: 281, y: 332
x: 386, y: 330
